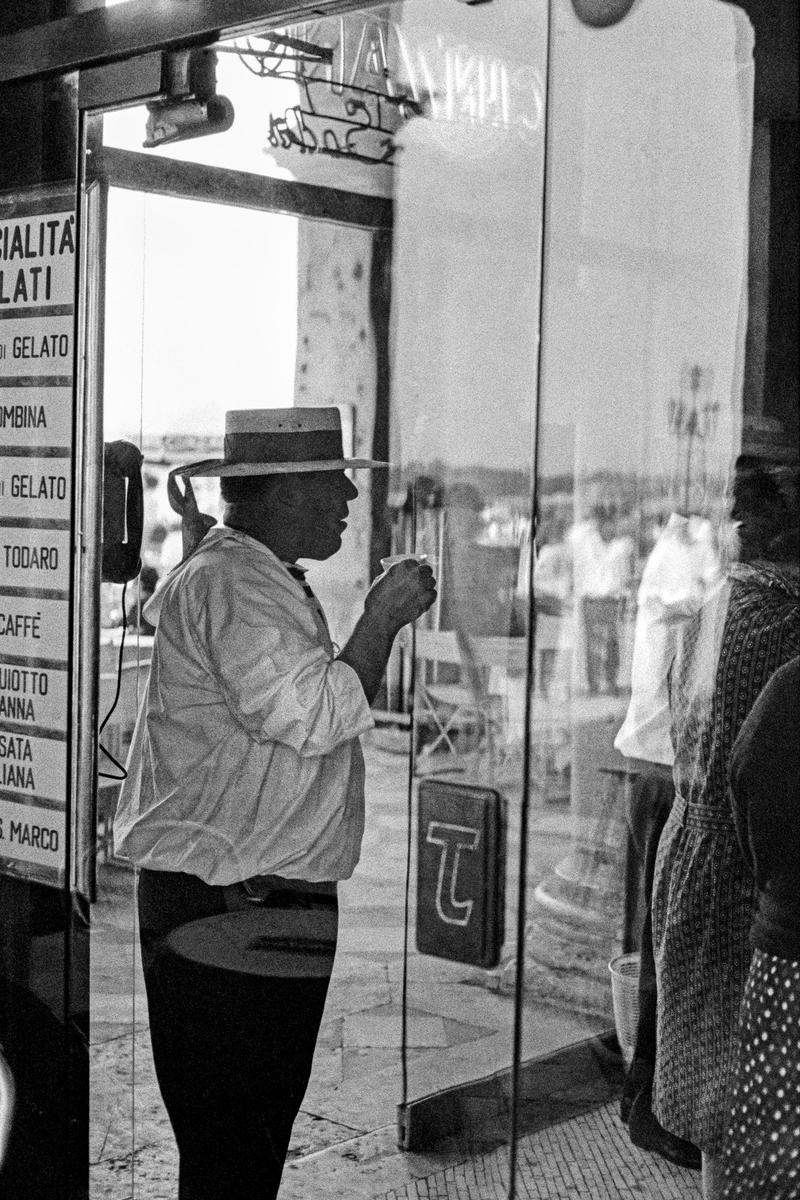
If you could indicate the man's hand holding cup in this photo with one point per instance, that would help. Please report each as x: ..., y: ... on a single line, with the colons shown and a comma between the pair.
x: 405, y: 590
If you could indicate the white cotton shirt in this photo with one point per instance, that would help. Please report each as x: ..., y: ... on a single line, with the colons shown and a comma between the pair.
x: 246, y: 757
x: 683, y: 570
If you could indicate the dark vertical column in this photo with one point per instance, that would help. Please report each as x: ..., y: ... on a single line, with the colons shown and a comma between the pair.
x: 781, y: 376
x: 772, y: 377
x: 43, y: 929
x: 380, y: 295
x: 44, y: 1044
x: 37, y: 120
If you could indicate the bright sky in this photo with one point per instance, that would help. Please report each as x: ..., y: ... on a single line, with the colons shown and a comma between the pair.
x: 201, y: 308
x: 201, y: 313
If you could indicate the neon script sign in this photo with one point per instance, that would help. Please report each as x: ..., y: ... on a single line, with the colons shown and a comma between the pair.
x: 374, y: 78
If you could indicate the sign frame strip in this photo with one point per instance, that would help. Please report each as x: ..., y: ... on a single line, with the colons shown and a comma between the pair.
x: 31, y: 845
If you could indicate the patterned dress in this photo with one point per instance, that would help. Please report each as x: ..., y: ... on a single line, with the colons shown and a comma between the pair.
x: 704, y: 895
x: 762, y: 1150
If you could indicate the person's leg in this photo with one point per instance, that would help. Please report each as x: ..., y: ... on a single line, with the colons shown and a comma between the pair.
x: 612, y: 661
x: 649, y: 802
x: 247, y: 1060
x: 233, y: 1048
x: 167, y: 900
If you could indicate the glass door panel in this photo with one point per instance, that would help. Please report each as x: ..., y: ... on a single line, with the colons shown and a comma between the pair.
x: 640, y: 422
x: 183, y: 341
x: 465, y: 304
x: 226, y: 287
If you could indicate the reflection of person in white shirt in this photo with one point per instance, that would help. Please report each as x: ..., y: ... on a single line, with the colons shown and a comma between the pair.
x: 681, y: 574
x: 602, y: 571
x: 587, y: 551
x: 602, y: 557
x: 244, y: 803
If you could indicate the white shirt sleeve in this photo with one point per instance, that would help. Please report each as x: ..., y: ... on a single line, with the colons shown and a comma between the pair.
x: 264, y: 651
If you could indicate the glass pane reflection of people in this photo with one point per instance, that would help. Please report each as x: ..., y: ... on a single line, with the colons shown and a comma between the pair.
x: 709, y: 646
x: 244, y: 803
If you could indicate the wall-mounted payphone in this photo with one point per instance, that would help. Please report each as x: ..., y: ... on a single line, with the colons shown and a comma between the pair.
x: 123, y: 511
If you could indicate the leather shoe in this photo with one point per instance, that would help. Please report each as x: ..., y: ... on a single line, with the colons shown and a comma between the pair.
x: 646, y: 1133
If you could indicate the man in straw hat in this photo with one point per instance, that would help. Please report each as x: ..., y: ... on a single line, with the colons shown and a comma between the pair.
x: 244, y: 803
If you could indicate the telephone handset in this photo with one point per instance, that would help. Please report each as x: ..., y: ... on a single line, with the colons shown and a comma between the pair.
x: 123, y: 511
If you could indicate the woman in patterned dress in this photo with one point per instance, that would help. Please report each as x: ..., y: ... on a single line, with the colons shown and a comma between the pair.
x: 762, y: 1147
x: 704, y: 894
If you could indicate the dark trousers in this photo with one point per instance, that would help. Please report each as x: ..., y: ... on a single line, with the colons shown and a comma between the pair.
x: 235, y: 991
x: 649, y: 803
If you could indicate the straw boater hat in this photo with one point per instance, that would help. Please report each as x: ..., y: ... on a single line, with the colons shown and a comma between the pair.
x: 279, y: 441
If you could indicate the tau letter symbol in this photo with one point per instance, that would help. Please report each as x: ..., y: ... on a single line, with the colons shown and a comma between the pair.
x: 452, y: 839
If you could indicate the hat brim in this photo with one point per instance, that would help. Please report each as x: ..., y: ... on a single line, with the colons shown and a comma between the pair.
x: 212, y: 468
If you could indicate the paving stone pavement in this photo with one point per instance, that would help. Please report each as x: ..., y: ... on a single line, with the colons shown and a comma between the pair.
x: 585, y: 1157
x: 588, y: 1157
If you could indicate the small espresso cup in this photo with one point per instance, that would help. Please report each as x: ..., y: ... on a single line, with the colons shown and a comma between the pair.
x: 392, y: 559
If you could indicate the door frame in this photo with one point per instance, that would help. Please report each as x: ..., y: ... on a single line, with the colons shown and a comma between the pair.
x: 107, y: 35
x: 98, y: 172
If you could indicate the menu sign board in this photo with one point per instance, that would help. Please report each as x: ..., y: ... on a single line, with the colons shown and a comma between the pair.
x: 37, y: 282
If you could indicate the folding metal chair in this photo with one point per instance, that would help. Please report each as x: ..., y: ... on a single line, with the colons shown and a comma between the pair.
x: 445, y: 694
x: 465, y: 700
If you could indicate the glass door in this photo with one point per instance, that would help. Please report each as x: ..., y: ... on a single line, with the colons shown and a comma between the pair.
x: 419, y: 218
x: 174, y: 364
x: 350, y: 239
x: 644, y: 441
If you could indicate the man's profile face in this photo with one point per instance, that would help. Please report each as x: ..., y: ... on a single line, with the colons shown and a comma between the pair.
x: 318, y: 510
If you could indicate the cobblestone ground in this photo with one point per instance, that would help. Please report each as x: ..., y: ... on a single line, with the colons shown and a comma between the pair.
x: 587, y: 1157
